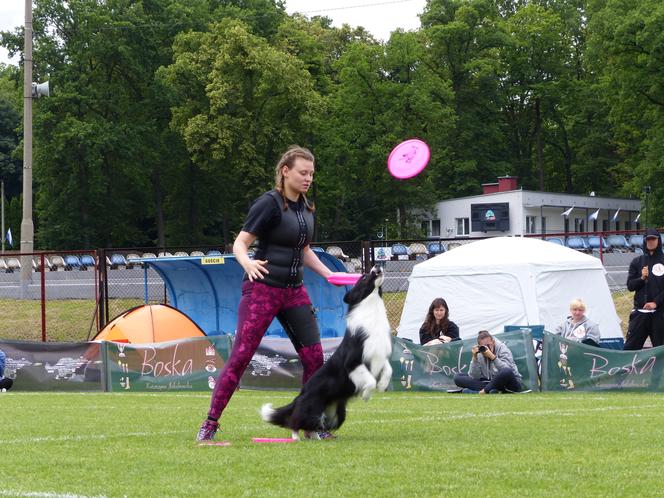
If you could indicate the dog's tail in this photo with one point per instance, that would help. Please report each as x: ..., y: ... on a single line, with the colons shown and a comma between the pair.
x: 277, y: 416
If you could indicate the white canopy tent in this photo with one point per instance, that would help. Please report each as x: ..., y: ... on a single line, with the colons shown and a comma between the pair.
x: 509, y: 281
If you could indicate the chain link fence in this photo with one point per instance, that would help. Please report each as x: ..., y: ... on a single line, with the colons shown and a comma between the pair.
x: 49, y: 296
x: 69, y: 296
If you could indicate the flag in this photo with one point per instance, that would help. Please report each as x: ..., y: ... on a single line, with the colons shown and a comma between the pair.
x: 615, y: 216
x: 567, y: 213
x: 637, y: 218
x: 10, y: 241
x: 594, y: 216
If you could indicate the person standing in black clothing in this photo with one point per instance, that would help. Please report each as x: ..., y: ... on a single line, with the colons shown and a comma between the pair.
x: 437, y: 327
x: 282, y: 221
x: 646, y: 280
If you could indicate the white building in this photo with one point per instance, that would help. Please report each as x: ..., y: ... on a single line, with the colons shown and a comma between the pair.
x: 503, y: 209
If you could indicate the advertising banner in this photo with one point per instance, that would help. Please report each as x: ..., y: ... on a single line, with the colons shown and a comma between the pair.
x: 191, y: 364
x: 432, y: 368
x: 48, y: 366
x: 570, y: 365
x: 275, y: 364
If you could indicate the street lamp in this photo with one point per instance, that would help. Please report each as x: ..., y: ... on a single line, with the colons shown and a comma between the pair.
x: 30, y: 90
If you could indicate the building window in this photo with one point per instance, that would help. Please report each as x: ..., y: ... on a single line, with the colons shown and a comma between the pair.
x: 463, y: 226
x: 579, y: 225
x: 435, y: 228
x: 530, y: 224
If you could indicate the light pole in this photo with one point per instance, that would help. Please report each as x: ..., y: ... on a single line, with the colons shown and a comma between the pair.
x: 27, y: 226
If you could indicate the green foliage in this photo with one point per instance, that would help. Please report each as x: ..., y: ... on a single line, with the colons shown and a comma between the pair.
x: 10, y: 128
x: 167, y: 116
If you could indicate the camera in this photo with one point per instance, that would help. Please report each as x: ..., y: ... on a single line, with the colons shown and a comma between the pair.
x: 481, y: 349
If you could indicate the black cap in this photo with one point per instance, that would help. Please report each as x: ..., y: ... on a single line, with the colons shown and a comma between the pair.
x: 652, y: 233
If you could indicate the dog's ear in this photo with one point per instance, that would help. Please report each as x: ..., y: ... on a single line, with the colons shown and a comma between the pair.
x: 347, y: 297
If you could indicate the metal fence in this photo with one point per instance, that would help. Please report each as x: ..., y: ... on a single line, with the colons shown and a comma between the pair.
x: 70, y: 296
x: 49, y: 295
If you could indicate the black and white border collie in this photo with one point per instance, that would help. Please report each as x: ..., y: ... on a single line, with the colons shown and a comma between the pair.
x: 360, y: 365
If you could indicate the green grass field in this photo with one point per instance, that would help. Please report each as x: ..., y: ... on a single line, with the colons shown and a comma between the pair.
x: 397, y: 444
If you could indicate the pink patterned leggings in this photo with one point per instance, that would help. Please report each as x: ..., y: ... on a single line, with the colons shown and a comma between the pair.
x: 259, y: 305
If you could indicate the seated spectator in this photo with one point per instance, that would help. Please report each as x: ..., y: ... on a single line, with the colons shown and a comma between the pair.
x: 5, y: 384
x: 492, y: 368
x: 437, y: 327
x: 577, y: 327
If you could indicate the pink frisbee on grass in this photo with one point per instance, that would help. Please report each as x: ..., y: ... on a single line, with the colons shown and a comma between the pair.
x: 408, y: 159
x: 273, y: 440
x: 341, y: 278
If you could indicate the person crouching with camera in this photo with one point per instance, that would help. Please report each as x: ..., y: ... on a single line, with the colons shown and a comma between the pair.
x: 492, y: 368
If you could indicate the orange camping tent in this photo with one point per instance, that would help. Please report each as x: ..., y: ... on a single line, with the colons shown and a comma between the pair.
x: 149, y: 323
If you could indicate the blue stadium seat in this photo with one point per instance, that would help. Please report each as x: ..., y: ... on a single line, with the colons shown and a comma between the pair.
x: 556, y: 240
x: 87, y: 261
x: 399, y: 251
x: 617, y: 243
x: 595, y: 242
x: 636, y: 241
x: 436, y: 248
x: 72, y: 262
x: 213, y: 253
x: 577, y: 243
x: 116, y: 260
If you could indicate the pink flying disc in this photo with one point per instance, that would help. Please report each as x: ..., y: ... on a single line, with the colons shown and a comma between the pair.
x: 341, y: 278
x: 273, y: 440
x: 408, y: 159
x: 214, y: 443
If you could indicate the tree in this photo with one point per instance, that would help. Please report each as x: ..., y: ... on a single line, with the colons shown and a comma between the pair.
x: 625, y: 49
x: 463, y: 38
x: 10, y: 125
x: 238, y: 103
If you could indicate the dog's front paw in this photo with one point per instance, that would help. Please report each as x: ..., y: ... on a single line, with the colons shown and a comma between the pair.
x: 382, y: 385
x: 366, y: 394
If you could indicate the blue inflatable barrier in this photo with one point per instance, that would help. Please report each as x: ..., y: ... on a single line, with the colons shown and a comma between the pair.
x: 207, y: 290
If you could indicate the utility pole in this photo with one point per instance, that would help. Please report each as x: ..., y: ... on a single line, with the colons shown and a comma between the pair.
x: 27, y: 226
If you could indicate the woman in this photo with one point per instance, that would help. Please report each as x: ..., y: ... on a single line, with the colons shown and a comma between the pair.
x: 282, y: 220
x: 437, y: 327
x: 577, y: 327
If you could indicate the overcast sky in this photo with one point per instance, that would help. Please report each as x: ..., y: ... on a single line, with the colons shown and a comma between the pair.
x: 379, y: 17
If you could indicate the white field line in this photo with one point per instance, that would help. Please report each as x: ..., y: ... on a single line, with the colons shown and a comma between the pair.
x: 537, y: 413
x: 114, y: 435
x: 44, y: 494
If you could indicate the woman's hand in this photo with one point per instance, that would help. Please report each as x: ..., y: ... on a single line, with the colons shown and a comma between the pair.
x: 255, y: 269
x: 445, y: 339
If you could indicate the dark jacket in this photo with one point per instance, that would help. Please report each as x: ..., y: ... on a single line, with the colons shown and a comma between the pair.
x: 452, y: 331
x: 651, y: 289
